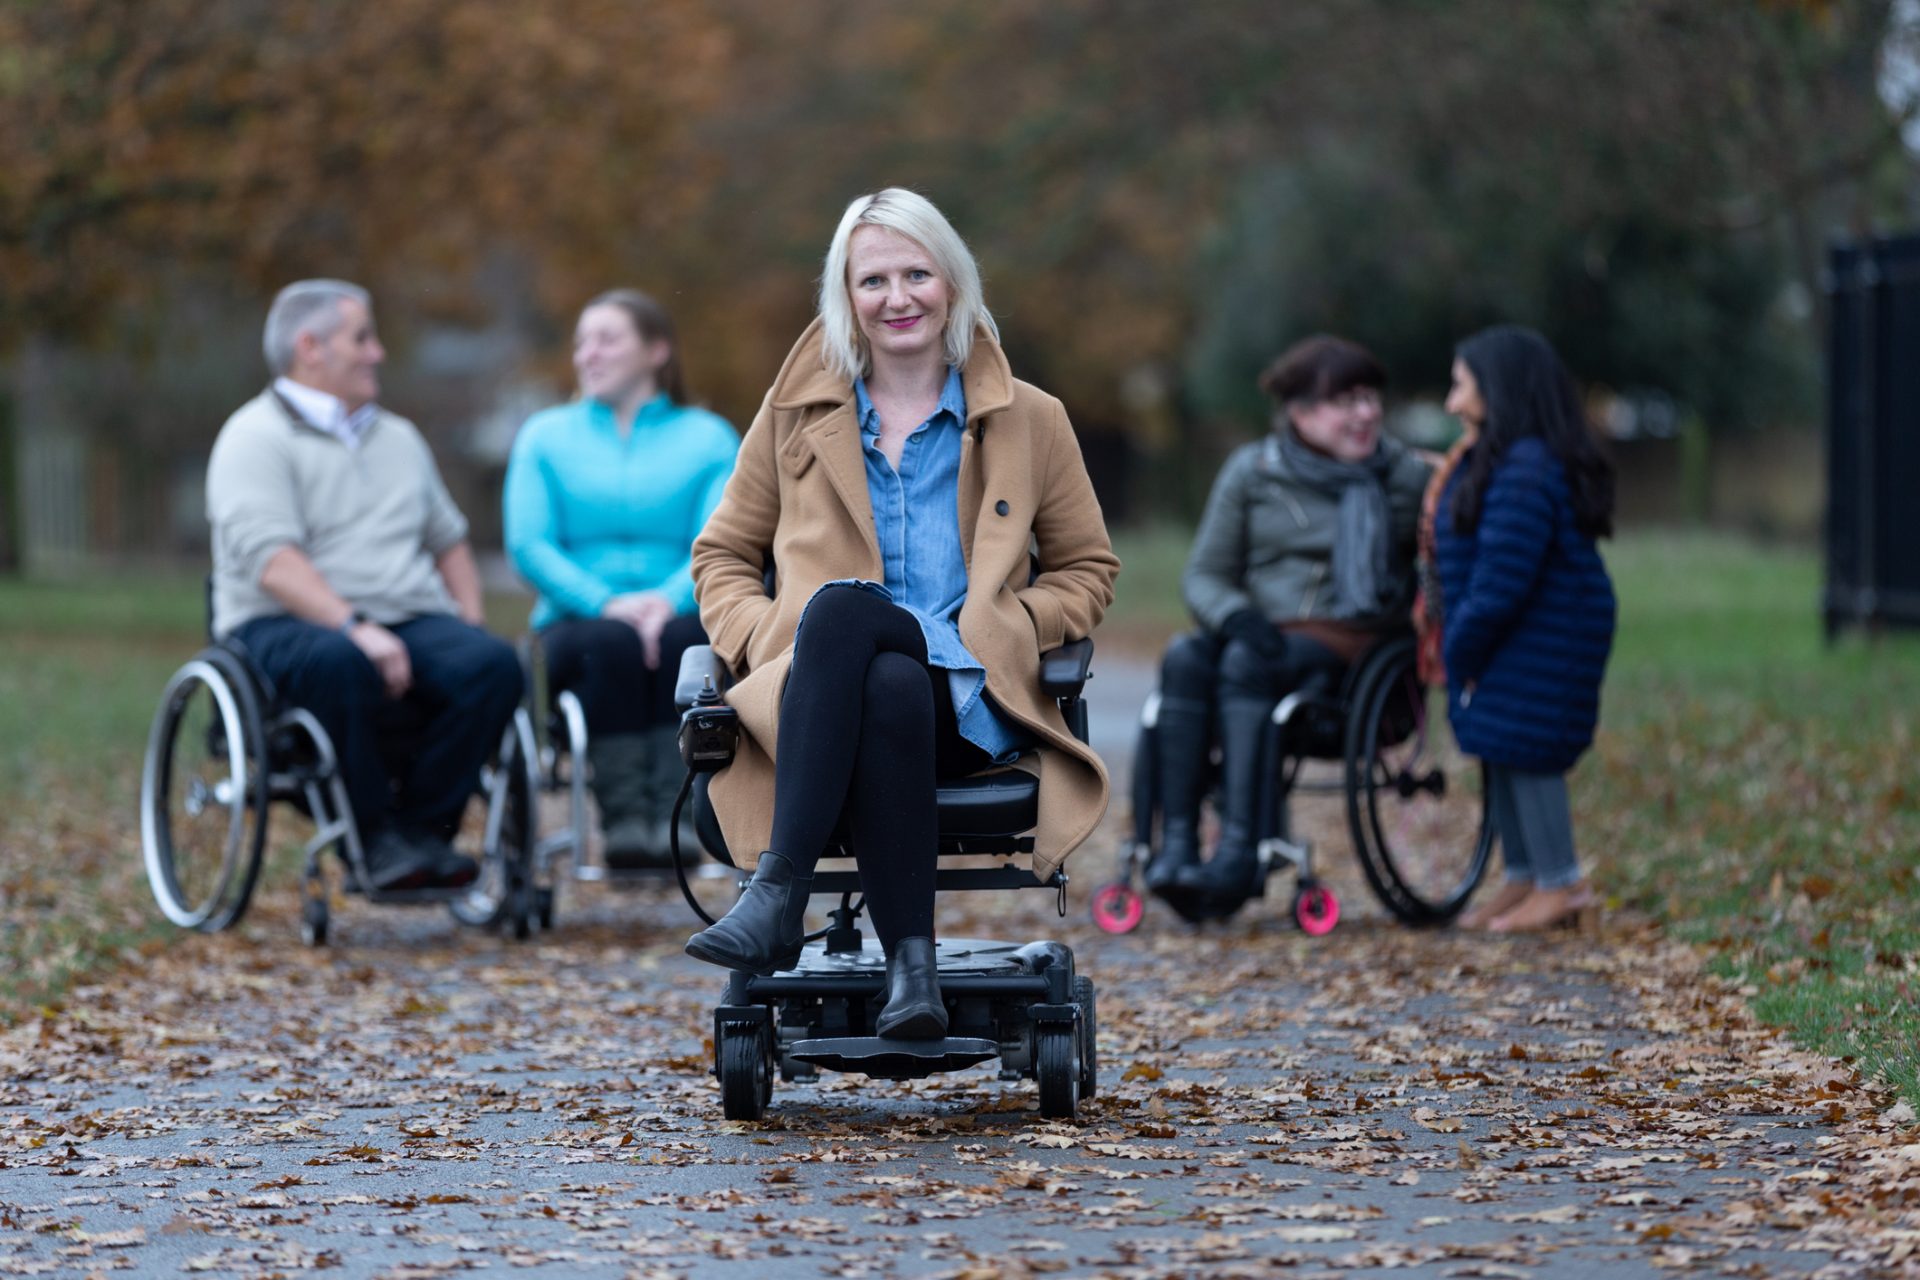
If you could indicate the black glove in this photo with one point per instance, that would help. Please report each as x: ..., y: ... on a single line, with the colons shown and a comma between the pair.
x: 1251, y: 629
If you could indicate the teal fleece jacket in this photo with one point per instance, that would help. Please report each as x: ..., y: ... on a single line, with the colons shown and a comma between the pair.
x: 590, y: 516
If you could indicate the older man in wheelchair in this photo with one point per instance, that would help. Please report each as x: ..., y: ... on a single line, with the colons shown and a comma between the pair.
x: 1303, y: 563
x: 342, y: 574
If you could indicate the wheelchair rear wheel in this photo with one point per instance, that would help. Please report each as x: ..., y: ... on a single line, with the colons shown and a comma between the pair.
x: 204, y: 792
x: 505, y: 890
x: 1416, y: 804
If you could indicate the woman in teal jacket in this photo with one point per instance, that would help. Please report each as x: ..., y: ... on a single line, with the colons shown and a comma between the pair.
x: 604, y: 497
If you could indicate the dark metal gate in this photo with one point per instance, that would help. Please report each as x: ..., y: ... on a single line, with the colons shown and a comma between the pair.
x: 1873, y: 435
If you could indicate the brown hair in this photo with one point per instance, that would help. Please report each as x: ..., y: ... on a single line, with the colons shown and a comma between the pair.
x: 653, y: 324
x: 1321, y: 367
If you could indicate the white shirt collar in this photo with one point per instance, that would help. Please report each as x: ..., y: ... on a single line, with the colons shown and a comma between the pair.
x: 326, y: 412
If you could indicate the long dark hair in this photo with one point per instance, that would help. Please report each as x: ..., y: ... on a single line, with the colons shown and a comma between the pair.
x: 1527, y: 391
x: 653, y: 324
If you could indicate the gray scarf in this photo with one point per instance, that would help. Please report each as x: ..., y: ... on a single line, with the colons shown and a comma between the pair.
x: 1361, y: 536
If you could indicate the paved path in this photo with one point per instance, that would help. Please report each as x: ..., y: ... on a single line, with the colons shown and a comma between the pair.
x: 421, y: 1101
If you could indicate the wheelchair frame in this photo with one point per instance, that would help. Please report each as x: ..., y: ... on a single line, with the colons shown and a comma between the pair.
x: 288, y: 756
x: 1353, y: 718
x: 1023, y: 1004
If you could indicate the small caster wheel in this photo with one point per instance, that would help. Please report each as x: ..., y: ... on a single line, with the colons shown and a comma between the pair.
x: 520, y: 912
x: 1089, y: 1037
x: 746, y: 1071
x: 1056, y: 1068
x: 1117, y: 908
x: 1316, y: 909
x: 313, y: 921
x: 543, y: 907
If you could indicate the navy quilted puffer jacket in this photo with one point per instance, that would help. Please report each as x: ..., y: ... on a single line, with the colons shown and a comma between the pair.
x: 1528, y: 616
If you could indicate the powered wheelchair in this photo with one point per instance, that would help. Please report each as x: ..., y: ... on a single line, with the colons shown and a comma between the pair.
x: 224, y: 746
x: 1416, y: 807
x: 1022, y: 1004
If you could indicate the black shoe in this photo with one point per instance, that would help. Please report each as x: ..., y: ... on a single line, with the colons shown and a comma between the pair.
x: 914, y: 1009
x: 451, y: 868
x: 396, y: 864
x: 1223, y: 884
x: 765, y: 929
x: 1184, y: 741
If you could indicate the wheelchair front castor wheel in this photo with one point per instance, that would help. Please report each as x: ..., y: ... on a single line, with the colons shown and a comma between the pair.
x: 313, y: 920
x: 1315, y: 909
x: 1117, y: 908
x: 1057, y: 1069
x: 543, y: 907
x: 746, y: 1070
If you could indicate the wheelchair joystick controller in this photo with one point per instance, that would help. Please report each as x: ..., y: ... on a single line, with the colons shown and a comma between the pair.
x: 709, y: 731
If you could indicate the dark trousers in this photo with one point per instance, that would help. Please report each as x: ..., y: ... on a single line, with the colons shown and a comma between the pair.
x: 866, y: 726
x: 601, y: 660
x: 466, y: 684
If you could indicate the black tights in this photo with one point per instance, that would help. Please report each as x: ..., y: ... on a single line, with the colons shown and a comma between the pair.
x: 865, y: 728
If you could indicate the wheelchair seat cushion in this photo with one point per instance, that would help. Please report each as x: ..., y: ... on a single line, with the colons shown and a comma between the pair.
x: 1002, y: 803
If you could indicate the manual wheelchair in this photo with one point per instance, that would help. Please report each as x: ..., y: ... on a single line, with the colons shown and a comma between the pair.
x: 224, y: 746
x: 1415, y: 804
x: 561, y: 768
x: 1022, y: 1004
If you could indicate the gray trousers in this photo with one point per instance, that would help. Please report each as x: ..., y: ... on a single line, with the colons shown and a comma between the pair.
x: 1535, y: 825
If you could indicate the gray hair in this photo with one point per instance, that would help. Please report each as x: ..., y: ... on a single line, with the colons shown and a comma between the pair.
x: 305, y: 306
x: 913, y: 216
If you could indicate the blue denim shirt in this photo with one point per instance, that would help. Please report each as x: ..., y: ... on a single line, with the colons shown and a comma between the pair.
x: 916, y: 517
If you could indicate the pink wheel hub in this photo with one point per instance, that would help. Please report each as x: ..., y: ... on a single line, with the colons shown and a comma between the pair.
x: 1317, y: 910
x: 1117, y: 908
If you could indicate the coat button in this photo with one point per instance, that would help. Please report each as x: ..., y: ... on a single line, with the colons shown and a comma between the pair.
x: 1001, y: 507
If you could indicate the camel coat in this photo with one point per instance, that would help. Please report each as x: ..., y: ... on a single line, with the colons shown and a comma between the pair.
x: 799, y: 488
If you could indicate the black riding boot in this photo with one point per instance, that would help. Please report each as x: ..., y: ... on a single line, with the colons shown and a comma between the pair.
x: 766, y: 928
x: 1183, y: 731
x: 914, y: 1009
x: 1223, y: 884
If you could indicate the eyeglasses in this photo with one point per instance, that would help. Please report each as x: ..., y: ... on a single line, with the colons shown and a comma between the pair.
x: 1355, y: 400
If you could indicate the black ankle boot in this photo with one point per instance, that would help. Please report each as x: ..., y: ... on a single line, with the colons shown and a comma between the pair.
x: 1183, y: 743
x: 1223, y: 884
x: 765, y: 929
x: 914, y: 1009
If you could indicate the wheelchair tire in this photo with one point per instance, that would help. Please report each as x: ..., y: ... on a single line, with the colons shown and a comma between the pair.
x: 1056, y: 1068
x: 1416, y: 805
x: 746, y: 1071
x: 313, y: 921
x: 1083, y: 995
x: 503, y: 891
x: 204, y: 793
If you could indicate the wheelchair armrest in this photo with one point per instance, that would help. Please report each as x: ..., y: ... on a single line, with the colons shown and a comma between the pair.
x: 1064, y: 671
x: 698, y: 665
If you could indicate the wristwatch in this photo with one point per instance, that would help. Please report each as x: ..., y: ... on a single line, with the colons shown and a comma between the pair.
x: 354, y: 619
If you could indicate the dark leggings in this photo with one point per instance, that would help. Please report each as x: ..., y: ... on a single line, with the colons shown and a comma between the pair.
x: 602, y: 662
x: 865, y: 728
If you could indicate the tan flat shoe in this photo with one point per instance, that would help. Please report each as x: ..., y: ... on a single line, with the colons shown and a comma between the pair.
x: 1575, y: 907
x: 1510, y: 895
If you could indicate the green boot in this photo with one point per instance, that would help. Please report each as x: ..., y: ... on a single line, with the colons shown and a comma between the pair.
x: 666, y: 772
x: 622, y: 770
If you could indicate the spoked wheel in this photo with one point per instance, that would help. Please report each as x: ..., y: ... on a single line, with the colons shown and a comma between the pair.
x: 203, y: 793
x: 1089, y: 1037
x: 1416, y: 804
x: 1056, y: 1067
x: 505, y: 891
x: 746, y: 1070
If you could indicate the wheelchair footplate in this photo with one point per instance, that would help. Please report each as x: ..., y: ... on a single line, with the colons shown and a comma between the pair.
x: 1019, y: 1003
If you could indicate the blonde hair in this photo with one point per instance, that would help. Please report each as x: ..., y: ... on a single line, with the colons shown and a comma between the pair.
x: 913, y: 216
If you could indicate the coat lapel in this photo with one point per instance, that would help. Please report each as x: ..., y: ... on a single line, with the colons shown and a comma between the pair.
x: 836, y: 447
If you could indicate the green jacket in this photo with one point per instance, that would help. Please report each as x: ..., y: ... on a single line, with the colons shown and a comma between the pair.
x: 1266, y: 540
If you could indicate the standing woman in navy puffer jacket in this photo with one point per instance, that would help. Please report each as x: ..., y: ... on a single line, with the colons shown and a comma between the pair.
x: 1527, y: 610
